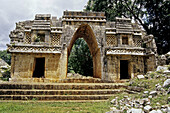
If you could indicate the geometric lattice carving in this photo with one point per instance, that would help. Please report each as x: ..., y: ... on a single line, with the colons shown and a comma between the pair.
x: 28, y: 38
x: 55, y: 39
x: 137, y: 42
x: 111, y: 40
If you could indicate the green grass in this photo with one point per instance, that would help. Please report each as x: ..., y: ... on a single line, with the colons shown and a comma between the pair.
x: 54, y: 107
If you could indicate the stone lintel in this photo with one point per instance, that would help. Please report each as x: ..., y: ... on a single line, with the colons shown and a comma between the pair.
x: 124, y: 32
x: 110, y: 33
x: 40, y: 28
x: 56, y: 27
x: 28, y: 30
x: 140, y: 34
x: 110, y: 28
x: 60, y: 32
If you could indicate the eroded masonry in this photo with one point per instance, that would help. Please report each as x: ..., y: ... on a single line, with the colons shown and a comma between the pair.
x: 40, y: 48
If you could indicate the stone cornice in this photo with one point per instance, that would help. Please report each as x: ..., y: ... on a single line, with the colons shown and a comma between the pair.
x: 26, y: 48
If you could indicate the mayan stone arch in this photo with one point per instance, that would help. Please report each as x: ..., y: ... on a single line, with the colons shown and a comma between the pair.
x: 40, y: 47
x: 84, y: 31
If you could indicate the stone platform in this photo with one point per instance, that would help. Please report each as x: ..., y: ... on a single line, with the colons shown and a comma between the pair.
x: 59, y: 91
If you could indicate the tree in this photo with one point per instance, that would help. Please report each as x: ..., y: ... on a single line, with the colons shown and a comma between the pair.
x: 5, y: 56
x: 80, y: 60
x: 153, y: 15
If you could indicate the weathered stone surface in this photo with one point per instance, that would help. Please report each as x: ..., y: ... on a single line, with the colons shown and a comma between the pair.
x: 159, y: 68
x: 146, y: 92
x: 114, y: 101
x: 166, y: 72
x: 166, y: 83
x: 156, y: 111
x: 133, y: 110
x: 153, y: 93
x: 147, y: 108
x: 140, y: 77
x: 135, y: 88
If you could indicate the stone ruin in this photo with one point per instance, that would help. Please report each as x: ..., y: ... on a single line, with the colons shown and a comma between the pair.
x: 40, y: 48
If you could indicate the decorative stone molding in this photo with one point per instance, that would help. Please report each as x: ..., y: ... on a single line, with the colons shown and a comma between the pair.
x: 33, y: 49
x: 126, y: 51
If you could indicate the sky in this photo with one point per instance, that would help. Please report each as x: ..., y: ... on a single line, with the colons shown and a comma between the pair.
x: 12, y: 11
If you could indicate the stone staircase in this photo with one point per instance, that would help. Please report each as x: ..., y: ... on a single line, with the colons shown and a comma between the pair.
x: 60, y: 91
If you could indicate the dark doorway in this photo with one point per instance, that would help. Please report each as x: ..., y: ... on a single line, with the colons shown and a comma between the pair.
x: 124, y: 69
x: 39, y: 65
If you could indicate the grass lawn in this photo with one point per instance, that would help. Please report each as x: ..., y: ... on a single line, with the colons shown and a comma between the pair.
x: 54, y: 107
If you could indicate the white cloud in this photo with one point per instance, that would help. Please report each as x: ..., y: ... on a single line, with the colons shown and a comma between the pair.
x: 12, y: 11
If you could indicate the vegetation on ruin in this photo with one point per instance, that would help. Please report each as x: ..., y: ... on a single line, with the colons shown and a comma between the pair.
x: 6, y: 75
x: 153, y: 15
x: 5, y: 56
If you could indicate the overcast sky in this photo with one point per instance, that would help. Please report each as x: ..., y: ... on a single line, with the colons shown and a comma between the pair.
x: 12, y: 11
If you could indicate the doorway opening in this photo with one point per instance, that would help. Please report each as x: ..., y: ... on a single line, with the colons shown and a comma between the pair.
x: 80, y: 60
x: 124, y: 74
x: 39, y: 67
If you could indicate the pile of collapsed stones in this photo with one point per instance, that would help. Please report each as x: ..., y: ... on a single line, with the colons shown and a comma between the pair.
x: 131, y: 105
x: 143, y: 105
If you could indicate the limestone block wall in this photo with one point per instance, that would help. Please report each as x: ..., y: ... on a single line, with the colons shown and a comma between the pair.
x: 112, y: 68
x: 151, y: 64
x: 22, y: 65
x: 138, y: 65
x: 135, y: 66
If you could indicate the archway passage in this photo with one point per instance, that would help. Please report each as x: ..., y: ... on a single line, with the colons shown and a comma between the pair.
x: 80, y: 60
x: 87, y: 34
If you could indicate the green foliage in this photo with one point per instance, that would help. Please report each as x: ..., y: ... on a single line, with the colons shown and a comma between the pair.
x: 5, y: 56
x: 153, y: 15
x: 80, y: 60
x: 159, y: 72
x: 152, y: 75
x: 6, y: 74
x: 34, y: 99
x: 37, y: 39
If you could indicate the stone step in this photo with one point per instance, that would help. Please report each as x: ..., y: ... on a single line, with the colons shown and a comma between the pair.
x: 83, y: 80
x: 59, y: 92
x: 55, y: 97
x: 62, y: 86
